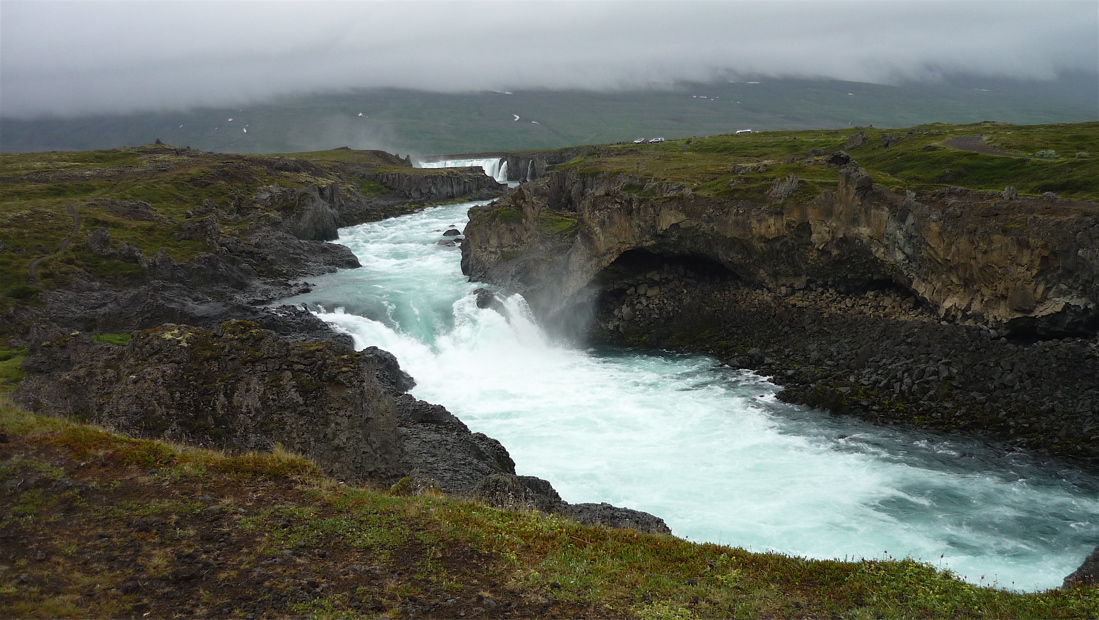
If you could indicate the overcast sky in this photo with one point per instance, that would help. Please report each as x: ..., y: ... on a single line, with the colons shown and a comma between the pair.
x: 72, y: 57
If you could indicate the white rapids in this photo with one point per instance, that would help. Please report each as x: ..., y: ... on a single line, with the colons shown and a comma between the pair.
x: 707, y: 448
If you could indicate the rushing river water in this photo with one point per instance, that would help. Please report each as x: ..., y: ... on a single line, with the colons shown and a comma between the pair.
x: 707, y: 448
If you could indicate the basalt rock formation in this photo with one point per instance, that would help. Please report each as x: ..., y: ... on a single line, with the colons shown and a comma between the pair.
x: 239, y: 387
x: 956, y: 310
x: 1031, y: 266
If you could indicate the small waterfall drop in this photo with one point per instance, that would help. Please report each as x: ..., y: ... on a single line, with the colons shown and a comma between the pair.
x: 495, y: 167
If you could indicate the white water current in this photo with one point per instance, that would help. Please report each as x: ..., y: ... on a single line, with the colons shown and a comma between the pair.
x: 707, y: 448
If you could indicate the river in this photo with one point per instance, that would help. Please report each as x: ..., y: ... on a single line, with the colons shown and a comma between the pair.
x: 706, y: 447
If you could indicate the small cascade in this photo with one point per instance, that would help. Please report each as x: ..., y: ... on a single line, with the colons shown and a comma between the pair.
x: 495, y: 167
x: 530, y: 170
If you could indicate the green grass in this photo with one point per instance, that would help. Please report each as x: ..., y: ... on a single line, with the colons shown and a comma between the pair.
x: 11, y: 369
x: 743, y: 166
x: 445, y: 544
x: 115, y: 339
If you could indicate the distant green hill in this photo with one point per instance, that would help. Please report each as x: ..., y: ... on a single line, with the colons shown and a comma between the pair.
x: 423, y: 123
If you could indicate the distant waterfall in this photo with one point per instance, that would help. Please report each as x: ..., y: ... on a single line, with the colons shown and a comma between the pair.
x: 530, y: 170
x: 495, y: 167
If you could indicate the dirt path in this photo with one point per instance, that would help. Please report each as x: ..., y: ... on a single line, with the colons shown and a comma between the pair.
x: 32, y: 269
x: 976, y: 144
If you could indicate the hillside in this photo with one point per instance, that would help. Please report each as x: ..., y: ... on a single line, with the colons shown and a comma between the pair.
x: 232, y: 227
x: 426, y: 123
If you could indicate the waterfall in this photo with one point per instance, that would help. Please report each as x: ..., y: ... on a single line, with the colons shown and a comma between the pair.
x: 495, y: 167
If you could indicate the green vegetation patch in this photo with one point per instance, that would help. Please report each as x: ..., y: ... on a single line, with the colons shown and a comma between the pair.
x: 119, y: 340
x: 983, y: 156
x: 556, y: 223
x: 276, y: 537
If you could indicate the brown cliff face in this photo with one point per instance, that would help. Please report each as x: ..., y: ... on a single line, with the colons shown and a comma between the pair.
x: 1030, y: 265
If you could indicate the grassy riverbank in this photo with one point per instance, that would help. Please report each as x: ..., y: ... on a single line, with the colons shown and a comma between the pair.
x: 97, y: 525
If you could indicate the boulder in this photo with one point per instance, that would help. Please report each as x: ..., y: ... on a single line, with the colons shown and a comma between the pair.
x: 1087, y: 574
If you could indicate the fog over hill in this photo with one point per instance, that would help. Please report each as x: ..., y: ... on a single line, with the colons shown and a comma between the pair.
x: 424, y: 123
x: 442, y: 76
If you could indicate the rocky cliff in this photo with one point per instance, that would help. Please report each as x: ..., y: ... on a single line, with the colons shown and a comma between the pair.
x: 954, y: 309
x: 1026, y: 265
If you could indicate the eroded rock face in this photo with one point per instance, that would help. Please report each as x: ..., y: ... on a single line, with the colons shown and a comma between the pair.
x: 236, y: 388
x: 1029, y: 265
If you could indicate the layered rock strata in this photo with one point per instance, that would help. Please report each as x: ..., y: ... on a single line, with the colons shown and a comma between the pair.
x: 955, y: 310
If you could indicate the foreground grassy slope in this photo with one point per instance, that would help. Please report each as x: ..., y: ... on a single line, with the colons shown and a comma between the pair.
x: 1063, y: 159
x: 97, y: 525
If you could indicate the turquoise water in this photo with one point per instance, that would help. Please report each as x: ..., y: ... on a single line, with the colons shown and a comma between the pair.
x: 708, y: 448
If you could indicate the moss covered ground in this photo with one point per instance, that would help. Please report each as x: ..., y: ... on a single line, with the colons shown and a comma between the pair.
x: 99, y: 525
x: 51, y: 203
x: 984, y: 156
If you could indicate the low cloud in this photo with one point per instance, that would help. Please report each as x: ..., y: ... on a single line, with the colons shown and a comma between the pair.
x: 76, y: 57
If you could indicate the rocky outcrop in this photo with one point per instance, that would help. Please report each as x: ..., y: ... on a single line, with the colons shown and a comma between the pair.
x: 1031, y: 267
x: 878, y: 354
x: 236, y: 388
x: 528, y: 492
x: 530, y: 165
x: 440, y: 186
x: 1087, y: 574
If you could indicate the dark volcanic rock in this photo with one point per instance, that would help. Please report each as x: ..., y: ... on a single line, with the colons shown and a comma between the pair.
x: 1087, y: 574
x: 612, y: 516
x: 517, y: 492
x: 236, y: 388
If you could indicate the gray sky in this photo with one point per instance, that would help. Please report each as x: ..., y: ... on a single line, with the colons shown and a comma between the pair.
x: 72, y: 57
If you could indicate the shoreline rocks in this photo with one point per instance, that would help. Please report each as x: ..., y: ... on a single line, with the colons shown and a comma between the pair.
x: 239, y: 387
x: 879, y: 355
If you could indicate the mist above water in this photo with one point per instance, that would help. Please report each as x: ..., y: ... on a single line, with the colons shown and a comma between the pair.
x: 706, y: 447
